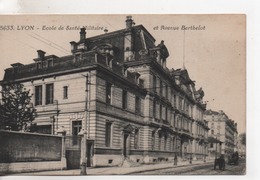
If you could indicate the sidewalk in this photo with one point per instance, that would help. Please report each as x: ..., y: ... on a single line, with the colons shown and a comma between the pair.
x: 114, y: 170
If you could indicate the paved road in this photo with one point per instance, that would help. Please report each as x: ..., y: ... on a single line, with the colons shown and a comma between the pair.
x: 206, y: 169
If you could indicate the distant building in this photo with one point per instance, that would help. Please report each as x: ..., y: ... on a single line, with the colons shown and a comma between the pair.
x: 223, y: 129
x: 117, y: 87
x: 241, y: 148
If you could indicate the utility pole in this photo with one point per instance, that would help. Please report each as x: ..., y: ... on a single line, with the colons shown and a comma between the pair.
x: 83, y: 133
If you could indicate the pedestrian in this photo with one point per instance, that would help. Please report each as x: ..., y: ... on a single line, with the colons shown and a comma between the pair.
x: 191, y: 159
x: 175, y: 160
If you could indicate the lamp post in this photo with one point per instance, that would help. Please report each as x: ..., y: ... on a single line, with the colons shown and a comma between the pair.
x: 57, y: 113
x: 83, y: 162
x: 83, y: 132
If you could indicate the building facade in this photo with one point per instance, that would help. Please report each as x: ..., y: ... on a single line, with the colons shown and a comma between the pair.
x: 223, y: 129
x: 116, y: 86
x: 241, y: 148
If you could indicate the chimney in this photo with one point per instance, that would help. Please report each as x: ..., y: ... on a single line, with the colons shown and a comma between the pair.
x: 41, y: 54
x: 129, y: 22
x: 73, y: 45
x: 82, y: 34
x: 16, y: 65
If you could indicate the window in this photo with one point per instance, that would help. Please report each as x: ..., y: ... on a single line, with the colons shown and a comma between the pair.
x: 180, y: 103
x: 160, y: 141
x: 44, y: 64
x: 161, y: 88
x: 187, y: 108
x: 212, y: 131
x: 109, y: 62
x: 211, y: 145
x: 160, y: 111
x: 153, y: 140
x: 136, y: 139
x: 191, y: 111
x: 49, y: 93
x: 39, y: 65
x: 77, y: 57
x: 137, y: 105
x: 50, y: 63
x: 165, y: 142
x: 174, y: 100
x: 108, y: 93
x: 65, y: 92
x: 154, y: 83
x: 124, y: 99
x: 166, y: 114
x: 174, y: 120
x: 154, y: 109
x: 38, y: 95
x: 173, y: 144
x: 166, y: 91
x: 108, y: 134
x: 76, y: 128
x: 183, y: 105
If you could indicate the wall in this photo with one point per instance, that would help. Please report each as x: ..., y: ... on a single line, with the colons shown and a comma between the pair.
x: 21, y: 167
x: 24, y: 152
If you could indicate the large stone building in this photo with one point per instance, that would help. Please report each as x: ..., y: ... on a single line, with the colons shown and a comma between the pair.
x: 223, y: 129
x: 117, y: 87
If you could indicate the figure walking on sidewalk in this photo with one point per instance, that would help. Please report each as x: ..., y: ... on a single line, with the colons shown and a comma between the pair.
x: 175, y: 160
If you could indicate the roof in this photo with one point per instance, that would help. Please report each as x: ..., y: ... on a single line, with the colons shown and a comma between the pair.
x: 138, y: 27
x: 184, y: 74
x: 115, y: 39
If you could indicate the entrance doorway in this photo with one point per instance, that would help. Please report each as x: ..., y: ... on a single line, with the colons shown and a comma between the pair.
x: 90, y: 153
x: 125, y: 145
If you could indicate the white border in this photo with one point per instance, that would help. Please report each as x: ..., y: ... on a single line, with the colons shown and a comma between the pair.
x: 248, y: 7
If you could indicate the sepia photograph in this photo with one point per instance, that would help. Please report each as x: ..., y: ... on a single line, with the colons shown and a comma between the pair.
x: 123, y: 94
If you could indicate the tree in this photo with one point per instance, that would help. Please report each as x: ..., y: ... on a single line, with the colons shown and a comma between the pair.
x: 16, y: 110
x: 243, y: 138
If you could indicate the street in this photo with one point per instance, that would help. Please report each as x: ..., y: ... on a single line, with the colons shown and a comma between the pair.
x: 201, y: 169
x: 197, y: 168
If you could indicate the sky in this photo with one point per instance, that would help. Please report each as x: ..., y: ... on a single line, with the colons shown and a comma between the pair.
x: 214, y: 55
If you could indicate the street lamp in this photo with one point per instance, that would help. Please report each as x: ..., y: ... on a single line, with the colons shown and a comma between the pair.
x: 83, y: 162
x: 57, y: 113
x: 83, y: 132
